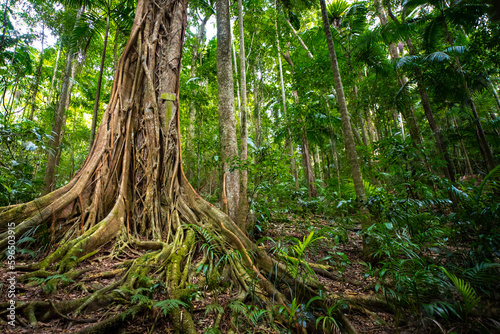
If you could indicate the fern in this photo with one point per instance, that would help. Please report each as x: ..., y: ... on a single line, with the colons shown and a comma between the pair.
x: 238, y: 307
x: 140, y: 299
x: 214, y: 307
x: 168, y: 305
x: 255, y: 315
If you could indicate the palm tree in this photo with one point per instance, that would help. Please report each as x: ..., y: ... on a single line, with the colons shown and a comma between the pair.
x: 339, y: 88
x: 441, y: 143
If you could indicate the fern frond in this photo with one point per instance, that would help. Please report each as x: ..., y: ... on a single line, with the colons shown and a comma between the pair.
x: 238, y: 307
x: 168, y: 305
x: 214, y: 307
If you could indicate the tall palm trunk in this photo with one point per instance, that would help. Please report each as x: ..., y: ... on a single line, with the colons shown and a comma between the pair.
x: 481, y: 137
x: 227, y: 127
x: 441, y: 144
x: 408, y: 111
x: 344, y: 113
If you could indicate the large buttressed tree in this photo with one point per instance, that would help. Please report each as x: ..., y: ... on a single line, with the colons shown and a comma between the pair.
x: 131, y: 192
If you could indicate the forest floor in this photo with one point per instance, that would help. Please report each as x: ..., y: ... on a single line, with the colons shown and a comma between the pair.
x: 347, y: 271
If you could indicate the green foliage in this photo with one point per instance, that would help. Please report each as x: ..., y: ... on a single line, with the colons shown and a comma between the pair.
x: 469, y: 296
x: 21, y: 144
x: 169, y: 305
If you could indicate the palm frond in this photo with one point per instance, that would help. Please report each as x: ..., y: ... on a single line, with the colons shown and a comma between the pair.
x: 469, y: 296
x: 434, y: 31
x: 408, y: 61
x: 437, y: 57
x: 492, y: 178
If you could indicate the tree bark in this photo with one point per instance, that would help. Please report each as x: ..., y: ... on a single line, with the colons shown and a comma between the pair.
x: 243, y: 200
x: 256, y: 112
x: 227, y: 127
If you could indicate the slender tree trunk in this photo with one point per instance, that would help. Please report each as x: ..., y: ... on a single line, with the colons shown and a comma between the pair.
x: 115, y: 48
x: 190, y: 144
x: 99, y: 81
x: 495, y: 94
x: 317, y: 163
x: 67, y: 102
x: 235, y: 61
x: 481, y: 137
x: 59, y: 118
x: 293, y: 165
x: 256, y: 113
x: 243, y: 204
x: 333, y: 148
x: 38, y: 76
x: 426, y: 105
x: 408, y: 111
x: 4, y: 23
x: 227, y: 127
x: 344, y: 113
x: 52, y: 82
x: 309, y: 173
x: 309, y: 54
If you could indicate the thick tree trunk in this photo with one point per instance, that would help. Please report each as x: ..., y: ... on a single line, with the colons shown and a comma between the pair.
x: 243, y: 200
x: 227, y: 127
